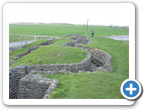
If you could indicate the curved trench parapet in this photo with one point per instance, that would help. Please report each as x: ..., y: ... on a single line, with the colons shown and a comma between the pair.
x: 71, y: 35
x: 99, y: 57
x: 84, y: 65
x: 24, y: 82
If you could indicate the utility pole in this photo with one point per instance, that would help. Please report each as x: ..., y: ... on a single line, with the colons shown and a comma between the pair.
x: 87, y: 27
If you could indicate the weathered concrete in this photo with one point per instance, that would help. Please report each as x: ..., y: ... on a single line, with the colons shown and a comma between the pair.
x: 36, y: 87
x: 99, y: 57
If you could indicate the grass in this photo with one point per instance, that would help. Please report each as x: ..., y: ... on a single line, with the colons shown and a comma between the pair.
x: 96, y: 85
x: 13, y: 54
x: 118, y: 49
x: 24, y: 49
x: 61, y: 30
x: 52, y: 54
x: 14, y: 38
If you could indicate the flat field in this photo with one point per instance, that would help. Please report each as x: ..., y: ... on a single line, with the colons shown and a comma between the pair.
x: 62, y: 30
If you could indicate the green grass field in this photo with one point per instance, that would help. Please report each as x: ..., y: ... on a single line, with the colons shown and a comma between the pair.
x: 13, y: 54
x: 62, y: 30
x: 15, y: 38
x: 52, y: 55
x: 96, y: 85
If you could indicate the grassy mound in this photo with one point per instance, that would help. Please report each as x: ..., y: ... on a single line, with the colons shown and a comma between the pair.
x: 13, y: 54
x: 50, y: 54
x: 24, y: 49
x: 97, y: 85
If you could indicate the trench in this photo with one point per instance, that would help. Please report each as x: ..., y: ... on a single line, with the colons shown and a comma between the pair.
x: 74, y: 41
x: 93, y: 67
x: 18, y: 76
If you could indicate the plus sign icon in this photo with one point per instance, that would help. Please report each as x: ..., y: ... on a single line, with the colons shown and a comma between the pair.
x: 131, y: 89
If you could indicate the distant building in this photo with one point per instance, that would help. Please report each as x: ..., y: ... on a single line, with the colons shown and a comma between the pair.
x: 64, y: 23
x: 120, y: 27
x: 126, y: 27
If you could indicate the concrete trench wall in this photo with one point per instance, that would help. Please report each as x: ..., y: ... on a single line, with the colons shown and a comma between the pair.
x: 15, y: 74
x: 99, y: 57
x: 71, y: 35
x: 29, y: 86
x: 84, y: 65
x: 25, y: 83
x: 36, y: 87
x: 22, y: 87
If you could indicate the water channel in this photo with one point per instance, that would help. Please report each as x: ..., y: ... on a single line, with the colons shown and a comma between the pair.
x: 121, y: 37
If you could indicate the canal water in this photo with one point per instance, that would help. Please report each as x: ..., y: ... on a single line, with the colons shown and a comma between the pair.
x: 122, y: 37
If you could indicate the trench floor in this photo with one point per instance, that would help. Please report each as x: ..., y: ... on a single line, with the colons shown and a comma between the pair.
x: 93, y: 66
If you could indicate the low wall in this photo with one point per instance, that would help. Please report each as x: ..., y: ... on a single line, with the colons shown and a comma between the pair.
x: 20, y: 71
x: 12, y: 88
x: 84, y: 65
x: 99, y: 57
x: 23, y: 85
x: 36, y: 87
x: 15, y: 74
x: 71, y: 35
x: 53, y: 85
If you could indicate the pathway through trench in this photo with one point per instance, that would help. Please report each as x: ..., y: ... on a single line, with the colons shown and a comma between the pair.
x: 93, y: 66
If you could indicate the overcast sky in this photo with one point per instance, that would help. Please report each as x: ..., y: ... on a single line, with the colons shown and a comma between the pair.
x: 70, y: 13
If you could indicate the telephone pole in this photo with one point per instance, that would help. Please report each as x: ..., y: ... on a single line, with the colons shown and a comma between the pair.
x: 87, y: 26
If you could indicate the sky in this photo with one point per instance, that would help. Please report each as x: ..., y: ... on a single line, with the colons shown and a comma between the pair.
x: 70, y: 13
